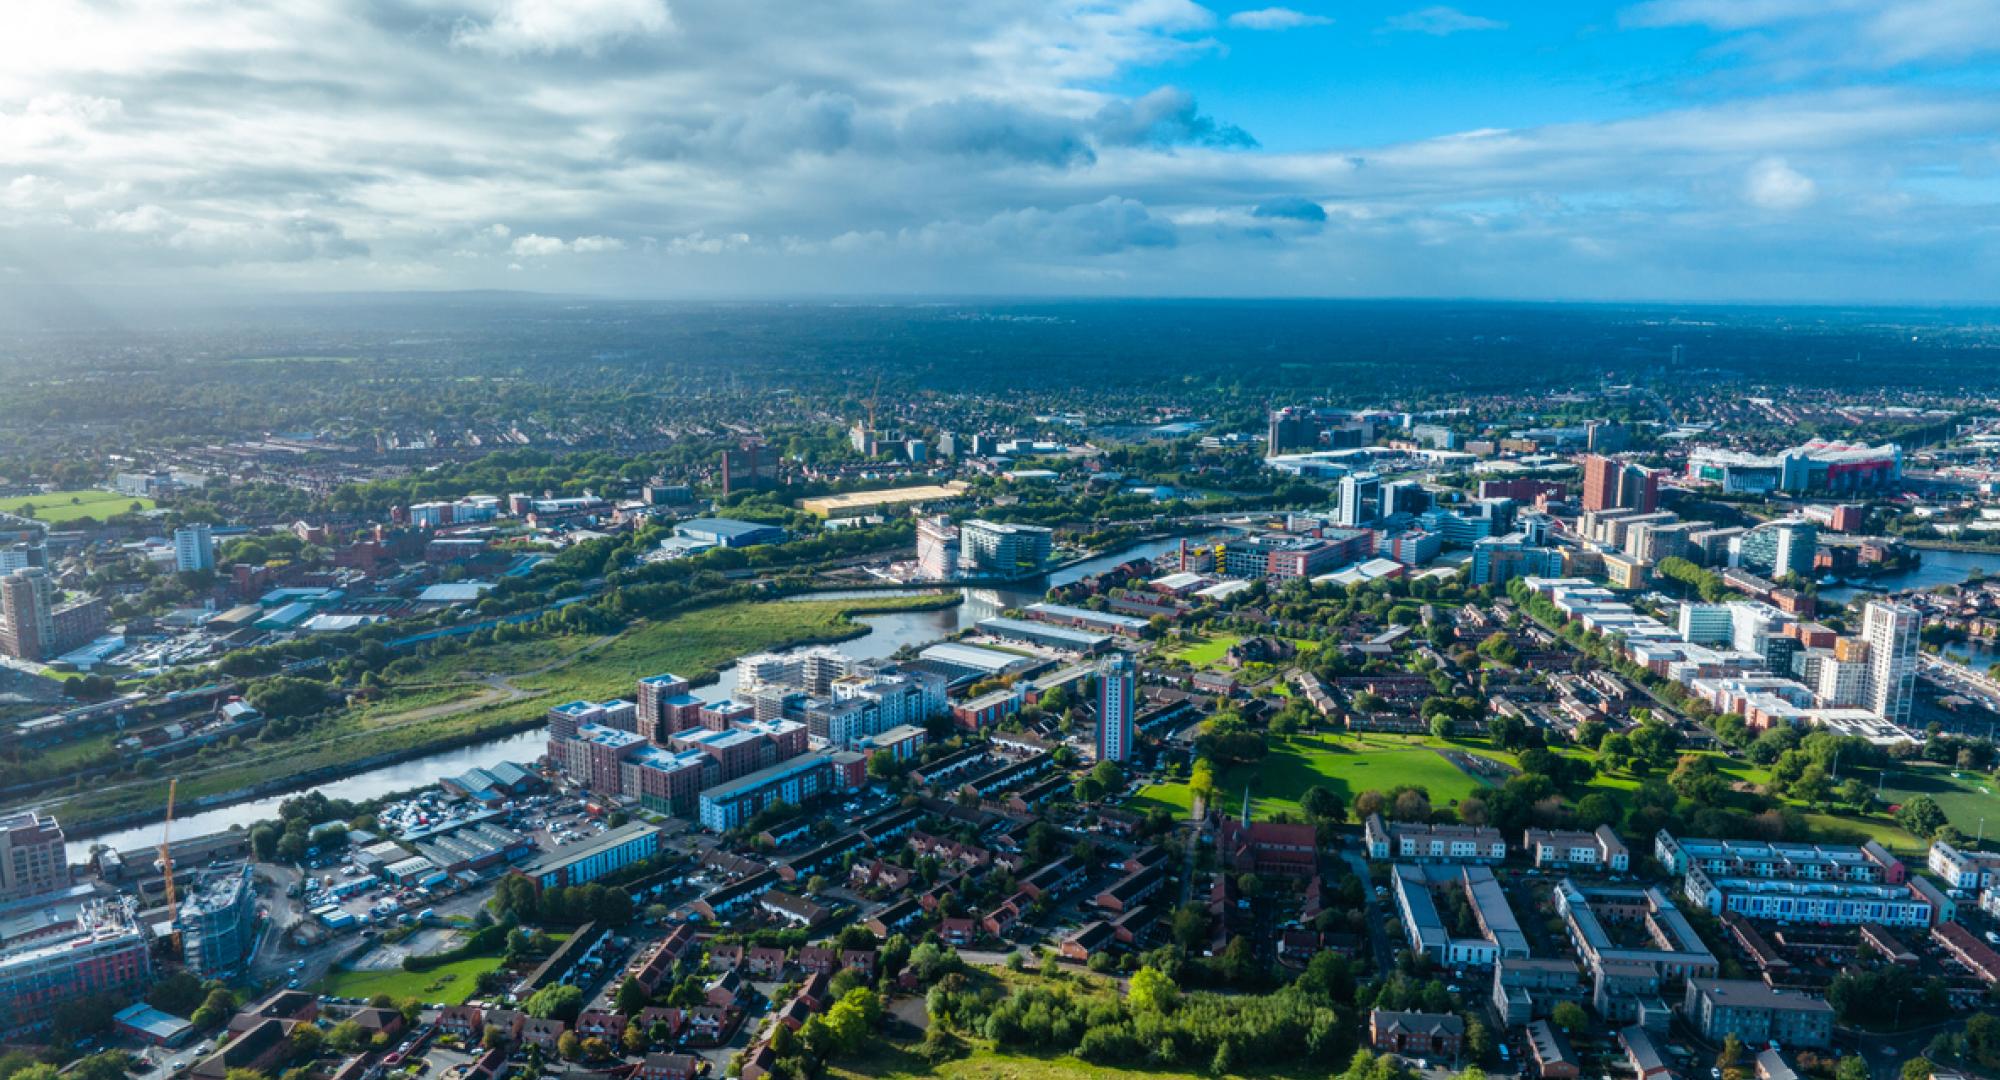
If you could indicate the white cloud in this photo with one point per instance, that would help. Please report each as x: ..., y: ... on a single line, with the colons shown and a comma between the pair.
x: 550, y: 26
x: 535, y: 245
x: 1774, y: 185
x: 1276, y: 18
x: 700, y: 243
x: 1441, y: 21
x: 748, y: 147
x: 1797, y: 37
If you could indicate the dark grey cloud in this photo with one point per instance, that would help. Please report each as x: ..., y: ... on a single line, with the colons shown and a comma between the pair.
x: 1290, y: 208
x: 790, y: 121
x: 1166, y: 117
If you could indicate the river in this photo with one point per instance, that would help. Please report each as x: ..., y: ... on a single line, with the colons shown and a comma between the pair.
x: 887, y: 633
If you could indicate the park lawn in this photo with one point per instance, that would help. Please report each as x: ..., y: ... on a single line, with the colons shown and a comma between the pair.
x: 1204, y: 651
x: 1843, y: 828
x: 1964, y: 798
x: 451, y: 983
x: 1344, y: 765
x: 56, y: 507
x: 1175, y: 798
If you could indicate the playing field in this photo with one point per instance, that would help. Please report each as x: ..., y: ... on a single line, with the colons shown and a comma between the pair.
x: 60, y: 506
x: 1345, y: 765
x: 450, y: 984
x: 1204, y: 651
x: 1965, y: 797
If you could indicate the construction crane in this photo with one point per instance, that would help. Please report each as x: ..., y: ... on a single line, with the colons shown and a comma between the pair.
x: 167, y: 867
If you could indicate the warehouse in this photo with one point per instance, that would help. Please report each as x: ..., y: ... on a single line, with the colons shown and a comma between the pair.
x: 1045, y: 635
x: 857, y: 503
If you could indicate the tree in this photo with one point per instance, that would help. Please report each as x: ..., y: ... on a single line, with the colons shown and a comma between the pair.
x: 179, y: 993
x: 1190, y: 928
x: 1152, y: 991
x: 286, y: 698
x: 1596, y: 809
x: 306, y: 1040
x: 560, y: 1002
x: 348, y: 1036
x: 1369, y: 803
x: 1732, y: 1052
x: 1922, y: 817
x: 217, y: 1008
x: 1322, y: 805
x: 569, y: 1046
x: 1442, y: 725
x: 1569, y: 1016
x: 631, y: 996
x: 1413, y: 804
x: 1852, y: 1068
x: 1918, y: 1069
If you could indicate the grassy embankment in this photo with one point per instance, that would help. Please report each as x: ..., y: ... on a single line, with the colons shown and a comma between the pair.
x: 469, y: 696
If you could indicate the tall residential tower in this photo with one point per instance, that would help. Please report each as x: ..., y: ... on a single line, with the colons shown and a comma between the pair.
x: 1117, y: 700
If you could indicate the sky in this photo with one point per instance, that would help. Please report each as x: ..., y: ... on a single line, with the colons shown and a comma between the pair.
x: 1837, y: 151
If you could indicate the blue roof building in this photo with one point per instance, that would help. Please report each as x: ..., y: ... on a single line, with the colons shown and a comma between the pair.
x: 730, y: 533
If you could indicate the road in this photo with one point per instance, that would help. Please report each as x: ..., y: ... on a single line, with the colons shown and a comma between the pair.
x: 1962, y: 679
x: 1378, y: 937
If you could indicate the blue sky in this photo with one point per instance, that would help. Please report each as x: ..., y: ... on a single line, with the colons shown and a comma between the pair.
x: 1712, y: 150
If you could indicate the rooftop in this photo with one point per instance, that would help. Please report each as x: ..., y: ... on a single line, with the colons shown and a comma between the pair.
x: 725, y: 527
x: 1753, y: 993
x: 596, y: 845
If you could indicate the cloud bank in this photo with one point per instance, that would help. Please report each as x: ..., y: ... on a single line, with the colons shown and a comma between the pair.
x: 751, y: 147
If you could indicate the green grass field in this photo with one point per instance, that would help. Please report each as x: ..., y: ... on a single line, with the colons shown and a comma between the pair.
x: 1206, y: 650
x: 1965, y: 798
x: 1346, y: 765
x: 451, y: 984
x: 1349, y: 765
x: 56, y: 507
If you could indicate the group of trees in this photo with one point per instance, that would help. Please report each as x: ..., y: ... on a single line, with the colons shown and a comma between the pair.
x: 290, y: 838
x: 1156, y: 1025
x: 517, y: 898
x: 843, y: 1030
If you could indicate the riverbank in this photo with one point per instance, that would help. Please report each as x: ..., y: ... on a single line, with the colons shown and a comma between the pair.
x: 696, y: 644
